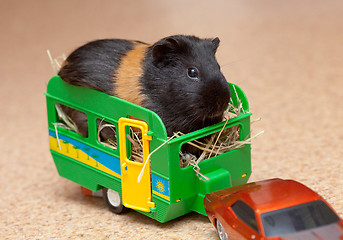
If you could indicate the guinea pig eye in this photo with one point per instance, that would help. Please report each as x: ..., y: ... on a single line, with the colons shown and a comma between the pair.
x: 193, y: 73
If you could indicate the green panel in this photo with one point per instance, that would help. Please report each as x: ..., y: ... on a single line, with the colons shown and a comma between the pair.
x: 186, y: 190
x: 97, y: 104
x: 84, y: 175
x: 165, y: 212
x: 226, y: 170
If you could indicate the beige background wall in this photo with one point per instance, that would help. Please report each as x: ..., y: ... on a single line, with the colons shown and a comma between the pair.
x: 286, y: 55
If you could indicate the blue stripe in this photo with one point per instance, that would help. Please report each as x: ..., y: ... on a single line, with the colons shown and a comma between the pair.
x: 107, y: 160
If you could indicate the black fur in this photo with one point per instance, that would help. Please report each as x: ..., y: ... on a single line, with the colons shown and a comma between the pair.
x: 184, y: 104
x: 93, y: 65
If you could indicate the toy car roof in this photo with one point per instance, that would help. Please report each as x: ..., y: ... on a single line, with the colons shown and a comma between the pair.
x: 269, y: 195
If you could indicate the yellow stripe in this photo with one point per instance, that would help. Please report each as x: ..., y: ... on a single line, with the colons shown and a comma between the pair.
x: 161, y: 195
x: 68, y: 150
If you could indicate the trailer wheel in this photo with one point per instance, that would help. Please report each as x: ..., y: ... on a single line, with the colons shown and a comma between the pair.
x: 113, y: 201
x: 221, y: 231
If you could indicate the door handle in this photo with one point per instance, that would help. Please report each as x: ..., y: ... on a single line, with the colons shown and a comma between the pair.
x: 124, y: 168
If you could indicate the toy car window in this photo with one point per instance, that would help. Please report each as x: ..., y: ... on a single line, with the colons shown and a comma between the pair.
x: 297, y: 218
x: 246, y: 214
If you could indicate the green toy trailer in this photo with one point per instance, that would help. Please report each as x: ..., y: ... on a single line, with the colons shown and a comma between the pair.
x: 158, y: 186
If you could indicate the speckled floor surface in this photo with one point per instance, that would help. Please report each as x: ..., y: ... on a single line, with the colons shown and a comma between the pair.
x: 285, y: 55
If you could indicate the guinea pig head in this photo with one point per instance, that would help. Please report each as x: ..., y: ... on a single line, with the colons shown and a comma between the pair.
x: 187, y: 88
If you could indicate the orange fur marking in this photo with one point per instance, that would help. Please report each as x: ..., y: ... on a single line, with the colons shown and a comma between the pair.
x: 128, y: 74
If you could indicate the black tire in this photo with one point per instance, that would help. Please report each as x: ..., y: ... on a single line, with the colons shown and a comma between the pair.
x: 113, y: 201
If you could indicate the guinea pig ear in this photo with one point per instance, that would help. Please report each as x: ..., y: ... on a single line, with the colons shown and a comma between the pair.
x: 163, y: 48
x: 215, y: 43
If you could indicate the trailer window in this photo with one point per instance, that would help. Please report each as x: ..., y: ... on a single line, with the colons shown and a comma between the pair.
x: 72, y: 119
x: 210, y: 146
x: 107, y: 133
x: 136, y: 145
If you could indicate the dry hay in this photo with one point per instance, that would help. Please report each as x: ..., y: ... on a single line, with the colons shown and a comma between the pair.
x: 65, y: 121
x: 109, y: 142
x: 135, y: 138
x: 57, y: 62
x: 218, y: 143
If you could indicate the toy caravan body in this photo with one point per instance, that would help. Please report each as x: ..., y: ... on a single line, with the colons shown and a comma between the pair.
x: 157, y: 187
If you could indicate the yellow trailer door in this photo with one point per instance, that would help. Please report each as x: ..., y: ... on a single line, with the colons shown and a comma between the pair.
x: 136, y: 186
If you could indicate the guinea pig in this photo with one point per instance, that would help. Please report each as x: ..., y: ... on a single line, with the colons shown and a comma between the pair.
x: 177, y: 77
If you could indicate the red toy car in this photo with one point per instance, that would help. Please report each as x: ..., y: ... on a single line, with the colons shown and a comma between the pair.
x: 273, y: 209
